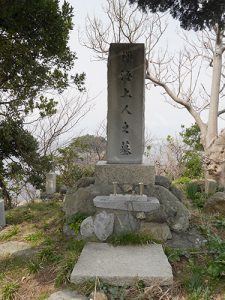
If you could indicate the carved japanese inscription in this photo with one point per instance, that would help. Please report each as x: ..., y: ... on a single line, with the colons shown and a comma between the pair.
x: 125, y: 126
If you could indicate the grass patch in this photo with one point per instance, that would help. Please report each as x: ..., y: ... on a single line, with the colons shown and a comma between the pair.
x: 14, y: 230
x: 35, y: 237
x: 132, y: 239
x: 9, y: 290
x: 199, y: 274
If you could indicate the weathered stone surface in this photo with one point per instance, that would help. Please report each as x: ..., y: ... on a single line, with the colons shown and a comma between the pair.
x: 163, y: 181
x: 15, y: 248
x: 158, y: 216
x: 66, y: 295
x: 123, y: 265
x: 186, y: 240
x: 127, y: 202
x: 210, y: 186
x: 177, y: 193
x: 2, y: 213
x: 125, y: 118
x: 157, y: 231
x: 177, y: 215
x: 80, y: 200
x: 50, y: 183
x: 216, y: 203
x: 124, y: 173
x: 103, y: 225
x: 141, y: 216
x: 87, y: 228
x: 68, y: 231
x: 84, y: 182
x: 124, y: 222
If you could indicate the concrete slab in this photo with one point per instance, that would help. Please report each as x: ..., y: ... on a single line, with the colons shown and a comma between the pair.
x: 127, y: 202
x: 66, y: 295
x: 123, y: 265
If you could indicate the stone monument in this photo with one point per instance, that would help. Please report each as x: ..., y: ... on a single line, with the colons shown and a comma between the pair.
x: 125, y: 118
x: 119, y: 213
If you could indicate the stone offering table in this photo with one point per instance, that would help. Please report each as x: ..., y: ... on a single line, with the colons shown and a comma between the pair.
x: 134, y: 203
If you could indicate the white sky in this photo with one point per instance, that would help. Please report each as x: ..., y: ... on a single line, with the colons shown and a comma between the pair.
x: 161, y: 118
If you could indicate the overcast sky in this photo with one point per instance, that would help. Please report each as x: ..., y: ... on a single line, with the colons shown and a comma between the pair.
x: 162, y: 119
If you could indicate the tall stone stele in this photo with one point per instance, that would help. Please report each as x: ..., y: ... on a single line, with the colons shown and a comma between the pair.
x: 125, y: 118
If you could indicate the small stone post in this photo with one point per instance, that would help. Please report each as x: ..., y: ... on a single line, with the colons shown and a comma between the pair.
x: 210, y: 186
x: 50, y: 183
x: 2, y: 213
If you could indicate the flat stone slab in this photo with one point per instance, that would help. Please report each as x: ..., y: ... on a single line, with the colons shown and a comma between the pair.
x: 127, y: 202
x: 14, y: 248
x: 123, y: 265
x: 66, y: 295
x: 106, y: 173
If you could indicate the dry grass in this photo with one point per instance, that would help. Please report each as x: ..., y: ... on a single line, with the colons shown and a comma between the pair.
x: 36, y: 277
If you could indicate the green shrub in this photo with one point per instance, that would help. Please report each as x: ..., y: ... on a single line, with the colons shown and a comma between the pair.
x: 76, y: 220
x: 216, y: 247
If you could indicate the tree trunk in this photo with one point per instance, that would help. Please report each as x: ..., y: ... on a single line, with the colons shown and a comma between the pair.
x: 5, y: 193
x: 215, y: 160
x: 215, y: 145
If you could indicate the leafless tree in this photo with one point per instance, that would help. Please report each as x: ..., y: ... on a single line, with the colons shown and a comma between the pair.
x: 184, y: 77
x: 54, y: 131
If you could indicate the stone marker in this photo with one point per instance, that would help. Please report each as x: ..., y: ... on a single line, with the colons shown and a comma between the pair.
x: 2, y: 213
x: 125, y: 119
x: 210, y: 186
x: 123, y: 265
x: 50, y: 183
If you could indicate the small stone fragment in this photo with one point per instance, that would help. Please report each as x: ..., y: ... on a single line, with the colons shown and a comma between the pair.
x: 103, y: 225
x: 87, y: 228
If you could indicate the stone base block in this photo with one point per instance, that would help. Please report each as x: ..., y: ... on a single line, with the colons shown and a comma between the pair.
x: 123, y: 265
x: 106, y: 173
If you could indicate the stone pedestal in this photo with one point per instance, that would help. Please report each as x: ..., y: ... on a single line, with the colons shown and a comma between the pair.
x: 50, y: 183
x: 2, y: 213
x: 106, y: 173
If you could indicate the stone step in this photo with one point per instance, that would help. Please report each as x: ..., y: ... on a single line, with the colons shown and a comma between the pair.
x: 123, y: 265
x: 127, y: 202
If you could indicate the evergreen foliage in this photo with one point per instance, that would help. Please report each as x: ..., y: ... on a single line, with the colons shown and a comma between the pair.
x: 34, y: 59
x: 192, y: 14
